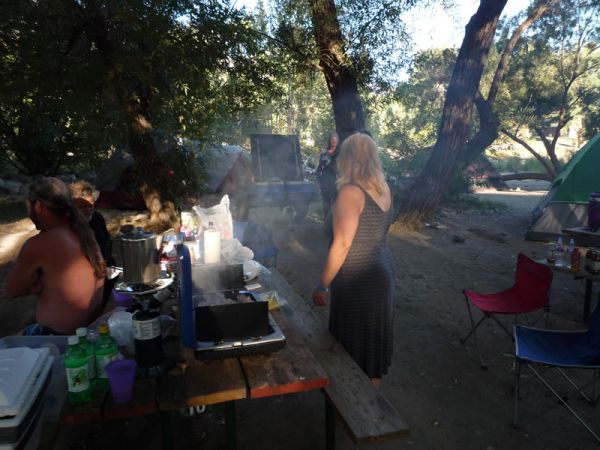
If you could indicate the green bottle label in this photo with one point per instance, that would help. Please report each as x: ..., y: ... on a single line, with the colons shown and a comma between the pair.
x: 77, y: 379
x: 102, y: 361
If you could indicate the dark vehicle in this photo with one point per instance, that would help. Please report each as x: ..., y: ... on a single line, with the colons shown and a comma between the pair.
x: 279, y: 179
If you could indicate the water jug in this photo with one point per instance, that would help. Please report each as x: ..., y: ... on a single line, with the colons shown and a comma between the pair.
x: 594, y: 211
x: 139, y: 253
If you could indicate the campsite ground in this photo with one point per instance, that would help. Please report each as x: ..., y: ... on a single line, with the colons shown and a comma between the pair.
x: 434, y: 381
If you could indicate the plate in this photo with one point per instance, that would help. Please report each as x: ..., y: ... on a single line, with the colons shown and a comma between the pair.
x: 143, y: 288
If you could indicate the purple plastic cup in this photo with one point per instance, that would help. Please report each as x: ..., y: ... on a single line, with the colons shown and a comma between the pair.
x: 121, y: 376
x: 122, y: 299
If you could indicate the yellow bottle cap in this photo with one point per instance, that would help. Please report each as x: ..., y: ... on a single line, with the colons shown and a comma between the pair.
x: 103, y: 328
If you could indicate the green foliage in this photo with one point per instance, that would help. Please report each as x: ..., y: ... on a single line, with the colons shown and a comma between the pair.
x: 553, y: 75
x: 515, y: 164
x: 408, y: 119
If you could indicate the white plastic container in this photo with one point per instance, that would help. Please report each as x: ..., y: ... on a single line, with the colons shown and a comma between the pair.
x: 212, y: 245
x: 26, y: 376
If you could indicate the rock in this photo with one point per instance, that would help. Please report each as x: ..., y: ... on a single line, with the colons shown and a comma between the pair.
x: 13, y: 187
x: 458, y: 239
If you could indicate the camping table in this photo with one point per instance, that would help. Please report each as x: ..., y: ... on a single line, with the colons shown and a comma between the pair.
x: 581, y: 274
x: 584, y: 236
x: 292, y: 369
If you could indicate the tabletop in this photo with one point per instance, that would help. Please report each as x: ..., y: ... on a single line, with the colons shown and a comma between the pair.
x: 192, y: 382
x: 566, y: 268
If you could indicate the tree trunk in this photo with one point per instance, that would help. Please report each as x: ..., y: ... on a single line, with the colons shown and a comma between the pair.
x: 151, y: 172
x: 134, y: 97
x: 431, y: 184
x: 337, y: 68
x: 527, y: 176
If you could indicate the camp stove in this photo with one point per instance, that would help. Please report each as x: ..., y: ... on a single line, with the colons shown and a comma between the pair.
x: 218, y: 319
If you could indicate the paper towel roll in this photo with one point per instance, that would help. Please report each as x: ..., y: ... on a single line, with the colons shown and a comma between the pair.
x: 212, y: 246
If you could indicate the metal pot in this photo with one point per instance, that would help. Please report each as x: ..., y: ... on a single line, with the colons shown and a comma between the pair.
x: 140, y: 257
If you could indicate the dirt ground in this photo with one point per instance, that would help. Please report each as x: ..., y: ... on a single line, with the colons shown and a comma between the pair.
x: 435, y: 382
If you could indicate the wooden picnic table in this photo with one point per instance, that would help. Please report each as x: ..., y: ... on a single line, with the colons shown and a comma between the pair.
x: 312, y: 359
x: 194, y: 383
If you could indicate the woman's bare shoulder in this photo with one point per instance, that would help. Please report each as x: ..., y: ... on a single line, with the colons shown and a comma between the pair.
x: 351, y: 195
x: 351, y: 190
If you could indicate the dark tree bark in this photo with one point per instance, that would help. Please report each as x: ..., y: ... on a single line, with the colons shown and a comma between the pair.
x: 527, y: 176
x: 431, y: 184
x: 337, y: 68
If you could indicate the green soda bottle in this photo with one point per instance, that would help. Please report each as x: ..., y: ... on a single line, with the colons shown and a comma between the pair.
x: 76, y: 366
x: 88, y: 346
x: 106, y: 352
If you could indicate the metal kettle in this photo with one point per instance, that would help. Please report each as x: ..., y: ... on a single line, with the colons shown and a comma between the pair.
x: 139, y: 253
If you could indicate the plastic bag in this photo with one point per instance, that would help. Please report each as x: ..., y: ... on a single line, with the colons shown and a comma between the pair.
x: 232, y: 252
x: 219, y: 215
x: 251, y: 269
x: 275, y: 300
x: 121, y: 328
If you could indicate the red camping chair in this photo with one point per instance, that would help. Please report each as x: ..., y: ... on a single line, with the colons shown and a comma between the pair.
x: 528, y: 294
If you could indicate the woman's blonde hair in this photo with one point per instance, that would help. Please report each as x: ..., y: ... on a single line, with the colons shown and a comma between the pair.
x: 358, y: 163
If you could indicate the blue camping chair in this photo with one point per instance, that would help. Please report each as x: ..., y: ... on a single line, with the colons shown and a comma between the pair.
x: 560, y: 350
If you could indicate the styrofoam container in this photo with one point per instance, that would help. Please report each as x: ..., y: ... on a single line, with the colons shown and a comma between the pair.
x: 57, y: 389
x: 24, y: 380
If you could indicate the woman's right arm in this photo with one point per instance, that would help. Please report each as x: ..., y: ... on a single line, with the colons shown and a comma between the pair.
x: 346, y: 215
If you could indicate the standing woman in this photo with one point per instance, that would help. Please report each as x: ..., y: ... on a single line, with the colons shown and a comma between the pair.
x: 327, y: 174
x: 359, y: 270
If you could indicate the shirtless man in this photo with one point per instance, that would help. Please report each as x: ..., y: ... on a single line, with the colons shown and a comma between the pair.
x: 62, y: 264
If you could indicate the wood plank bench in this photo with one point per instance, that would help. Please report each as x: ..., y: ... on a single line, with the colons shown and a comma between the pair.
x: 367, y: 415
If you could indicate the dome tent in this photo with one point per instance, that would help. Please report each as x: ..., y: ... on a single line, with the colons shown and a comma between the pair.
x: 566, y: 203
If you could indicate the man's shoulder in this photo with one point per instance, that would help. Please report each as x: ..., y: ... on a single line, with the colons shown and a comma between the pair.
x: 55, y: 236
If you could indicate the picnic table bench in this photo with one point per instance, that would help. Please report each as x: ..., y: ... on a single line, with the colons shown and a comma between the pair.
x: 367, y: 415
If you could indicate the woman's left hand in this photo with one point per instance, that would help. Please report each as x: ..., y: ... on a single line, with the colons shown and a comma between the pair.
x: 319, y: 297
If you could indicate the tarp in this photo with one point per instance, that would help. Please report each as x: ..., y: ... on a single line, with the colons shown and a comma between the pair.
x: 227, y: 168
x: 566, y: 203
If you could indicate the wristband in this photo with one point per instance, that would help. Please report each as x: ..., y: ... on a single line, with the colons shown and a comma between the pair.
x: 322, y: 288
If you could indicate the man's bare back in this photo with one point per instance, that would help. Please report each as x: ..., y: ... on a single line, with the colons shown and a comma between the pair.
x: 53, y: 266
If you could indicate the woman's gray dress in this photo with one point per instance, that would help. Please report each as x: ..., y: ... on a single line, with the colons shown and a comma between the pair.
x: 362, y: 293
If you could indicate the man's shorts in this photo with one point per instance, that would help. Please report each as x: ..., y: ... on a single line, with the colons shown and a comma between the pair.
x: 35, y: 329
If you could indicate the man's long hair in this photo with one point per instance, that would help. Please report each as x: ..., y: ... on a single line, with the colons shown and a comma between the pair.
x: 56, y: 196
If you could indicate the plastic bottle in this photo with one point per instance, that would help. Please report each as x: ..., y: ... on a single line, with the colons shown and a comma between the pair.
x: 575, y: 260
x: 106, y: 352
x: 76, y: 366
x: 88, y: 346
x: 571, y: 246
x: 212, y: 245
x: 560, y: 252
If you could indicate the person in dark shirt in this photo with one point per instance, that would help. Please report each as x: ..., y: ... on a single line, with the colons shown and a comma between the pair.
x: 84, y: 197
x: 327, y: 173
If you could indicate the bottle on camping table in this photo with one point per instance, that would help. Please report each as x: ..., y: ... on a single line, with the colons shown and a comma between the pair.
x: 76, y: 367
x: 560, y: 252
x: 106, y: 352
x: 88, y: 346
x: 571, y: 246
x: 575, y: 260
